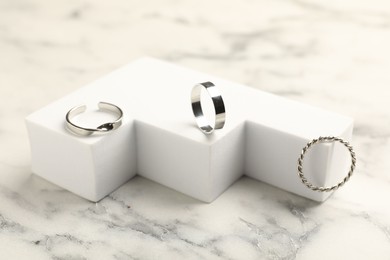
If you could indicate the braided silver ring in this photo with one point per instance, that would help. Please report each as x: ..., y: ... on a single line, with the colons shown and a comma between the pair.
x: 322, y: 139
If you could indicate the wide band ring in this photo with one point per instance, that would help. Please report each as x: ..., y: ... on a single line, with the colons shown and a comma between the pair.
x: 326, y: 139
x: 104, y: 128
x: 219, y: 107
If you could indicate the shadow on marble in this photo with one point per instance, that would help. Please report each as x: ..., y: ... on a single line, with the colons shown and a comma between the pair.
x: 150, y: 193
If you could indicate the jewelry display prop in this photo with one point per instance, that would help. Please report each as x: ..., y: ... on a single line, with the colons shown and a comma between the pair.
x: 159, y: 139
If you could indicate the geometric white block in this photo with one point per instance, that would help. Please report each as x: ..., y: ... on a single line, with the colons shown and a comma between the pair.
x: 158, y: 139
x: 89, y: 167
x: 202, y: 170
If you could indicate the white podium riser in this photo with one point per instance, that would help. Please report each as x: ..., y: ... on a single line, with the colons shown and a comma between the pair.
x: 262, y: 137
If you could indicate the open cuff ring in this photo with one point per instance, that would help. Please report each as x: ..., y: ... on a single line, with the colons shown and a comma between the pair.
x: 104, y: 128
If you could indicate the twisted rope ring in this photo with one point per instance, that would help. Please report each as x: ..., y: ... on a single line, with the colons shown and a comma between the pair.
x: 325, y: 139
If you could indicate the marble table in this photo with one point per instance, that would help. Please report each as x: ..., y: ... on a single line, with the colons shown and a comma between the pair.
x: 331, y: 54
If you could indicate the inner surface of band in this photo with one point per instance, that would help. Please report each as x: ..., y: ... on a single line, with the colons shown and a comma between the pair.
x: 219, y: 107
x: 76, y: 111
x: 109, y: 107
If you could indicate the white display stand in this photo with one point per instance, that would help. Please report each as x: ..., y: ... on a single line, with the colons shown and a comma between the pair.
x: 159, y: 140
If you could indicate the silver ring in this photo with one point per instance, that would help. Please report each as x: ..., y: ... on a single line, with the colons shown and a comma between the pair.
x: 324, y: 140
x: 219, y: 107
x: 104, y: 128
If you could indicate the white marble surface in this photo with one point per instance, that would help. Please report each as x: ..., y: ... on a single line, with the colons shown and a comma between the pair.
x: 332, y: 54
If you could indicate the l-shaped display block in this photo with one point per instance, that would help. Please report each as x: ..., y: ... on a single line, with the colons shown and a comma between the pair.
x: 159, y: 140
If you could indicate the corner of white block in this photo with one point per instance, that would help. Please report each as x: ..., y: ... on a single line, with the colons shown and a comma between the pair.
x: 89, y: 169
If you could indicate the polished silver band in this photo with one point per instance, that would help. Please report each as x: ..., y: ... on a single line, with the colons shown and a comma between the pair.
x: 104, y: 128
x: 326, y: 139
x: 220, y: 115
